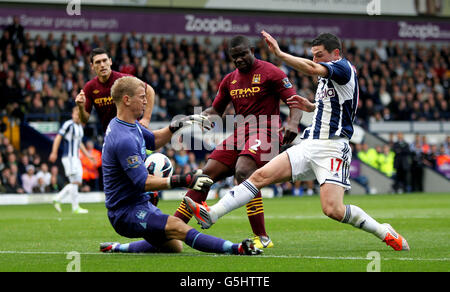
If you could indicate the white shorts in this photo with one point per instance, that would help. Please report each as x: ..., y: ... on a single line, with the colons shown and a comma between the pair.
x: 73, y: 168
x: 328, y: 161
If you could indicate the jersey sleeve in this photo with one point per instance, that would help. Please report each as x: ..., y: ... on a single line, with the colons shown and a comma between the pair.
x: 149, y: 137
x: 338, y: 71
x: 222, y: 98
x: 282, y: 85
x: 131, y: 162
x: 63, y: 130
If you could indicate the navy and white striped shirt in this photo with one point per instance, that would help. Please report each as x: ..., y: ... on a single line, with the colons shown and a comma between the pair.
x: 72, y: 134
x: 336, y: 102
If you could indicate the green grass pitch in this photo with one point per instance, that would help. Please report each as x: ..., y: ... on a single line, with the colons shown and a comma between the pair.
x: 37, y: 238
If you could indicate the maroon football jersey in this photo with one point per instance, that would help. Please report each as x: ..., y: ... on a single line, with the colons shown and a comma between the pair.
x: 257, y: 92
x: 99, y: 95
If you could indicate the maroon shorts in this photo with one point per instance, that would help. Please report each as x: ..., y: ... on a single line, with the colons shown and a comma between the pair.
x: 262, y: 145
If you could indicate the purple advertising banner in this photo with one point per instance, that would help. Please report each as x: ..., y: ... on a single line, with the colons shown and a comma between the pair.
x: 355, y: 168
x: 104, y: 20
x: 445, y: 169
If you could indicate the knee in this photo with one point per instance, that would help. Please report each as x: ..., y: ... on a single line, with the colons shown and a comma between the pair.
x: 242, y: 173
x: 176, y: 228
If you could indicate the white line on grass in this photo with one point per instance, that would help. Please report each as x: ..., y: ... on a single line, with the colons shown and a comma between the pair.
x: 216, y: 255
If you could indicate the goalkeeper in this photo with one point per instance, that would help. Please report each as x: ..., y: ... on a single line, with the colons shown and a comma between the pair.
x: 126, y: 181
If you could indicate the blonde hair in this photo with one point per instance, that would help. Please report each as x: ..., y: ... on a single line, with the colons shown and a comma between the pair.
x: 126, y: 85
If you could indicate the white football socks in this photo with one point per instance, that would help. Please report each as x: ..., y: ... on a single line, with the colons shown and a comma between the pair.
x: 75, y: 195
x: 235, y: 198
x: 356, y: 217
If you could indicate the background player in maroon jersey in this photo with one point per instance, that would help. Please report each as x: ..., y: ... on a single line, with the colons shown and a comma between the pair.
x: 97, y: 92
x: 255, y: 89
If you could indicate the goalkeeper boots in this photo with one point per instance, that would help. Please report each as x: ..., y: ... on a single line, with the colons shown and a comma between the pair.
x: 248, y: 248
x: 108, y: 246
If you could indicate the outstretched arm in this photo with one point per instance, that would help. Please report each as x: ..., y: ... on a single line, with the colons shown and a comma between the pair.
x: 303, y: 65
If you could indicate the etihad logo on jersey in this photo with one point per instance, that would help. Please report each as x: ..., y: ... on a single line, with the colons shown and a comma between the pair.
x: 327, y: 93
x: 102, y: 101
x: 244, y: 92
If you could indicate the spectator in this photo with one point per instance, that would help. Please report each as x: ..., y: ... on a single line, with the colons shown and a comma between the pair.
x: 91, y: 166
x: 16, y: 31
x: 402, y: 164
x: 430, y: 158
x: 2, y: 188
x: 368, y: 155
x: 57, y: 181
x: 45, y: 174
x: 386, y: 161
x: 181, y: 158
x: 40, y: 186
x: 12, y: 186
x: 417, y: 166
x: 29, y: 179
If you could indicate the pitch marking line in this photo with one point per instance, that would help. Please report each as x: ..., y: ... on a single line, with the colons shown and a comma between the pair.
x: 218, y: 255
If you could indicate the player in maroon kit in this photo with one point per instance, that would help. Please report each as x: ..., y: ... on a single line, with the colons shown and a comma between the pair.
x: 97, y: 92
x: 255, y: 89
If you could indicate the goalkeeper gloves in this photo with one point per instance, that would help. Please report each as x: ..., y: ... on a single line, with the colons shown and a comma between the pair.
x: 200, y: 120
x: 192, y: 180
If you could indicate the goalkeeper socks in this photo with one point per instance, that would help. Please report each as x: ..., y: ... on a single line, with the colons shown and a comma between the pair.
x: 356, y: 217
x: 235, y: 198
x: 208, y: 243
x: 141, y: 246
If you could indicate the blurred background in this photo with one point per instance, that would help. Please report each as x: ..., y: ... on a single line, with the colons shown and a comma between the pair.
x: 400, y: 49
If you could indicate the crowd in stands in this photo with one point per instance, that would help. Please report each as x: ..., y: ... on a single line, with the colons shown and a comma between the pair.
x: 405, y: 162
x: 41, y: 75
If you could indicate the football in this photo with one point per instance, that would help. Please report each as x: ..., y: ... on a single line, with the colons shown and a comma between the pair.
x: 159, y: 164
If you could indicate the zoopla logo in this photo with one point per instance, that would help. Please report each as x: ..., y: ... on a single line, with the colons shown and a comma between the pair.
x: 211, y: 25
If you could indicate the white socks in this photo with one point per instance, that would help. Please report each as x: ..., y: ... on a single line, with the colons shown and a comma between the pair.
x: 356, y: 217
x: 71, y: 189
x: 235, y: 198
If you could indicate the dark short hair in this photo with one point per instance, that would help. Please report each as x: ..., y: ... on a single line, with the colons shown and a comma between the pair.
x: 329, y: 41
x: 239, y: 40
x: 98, y: 51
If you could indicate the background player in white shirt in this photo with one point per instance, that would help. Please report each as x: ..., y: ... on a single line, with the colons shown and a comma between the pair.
x: 324, y: 152
x: 71, y: 134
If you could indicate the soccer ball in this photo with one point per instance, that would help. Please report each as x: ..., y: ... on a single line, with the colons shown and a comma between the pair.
x: 159, y: 164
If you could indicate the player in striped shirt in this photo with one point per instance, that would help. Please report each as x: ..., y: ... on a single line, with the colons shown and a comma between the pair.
x: 70, y: 134
x: 324, y: 153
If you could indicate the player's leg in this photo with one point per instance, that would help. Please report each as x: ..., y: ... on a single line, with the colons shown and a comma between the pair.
x: 177, y: 230
x: 67, y: 189
x: 216, y: 170
x: 331, y: 198
x: 144, y: 220
x: 246, y: 166
x: 75, y: 179
x: 277, y: 170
